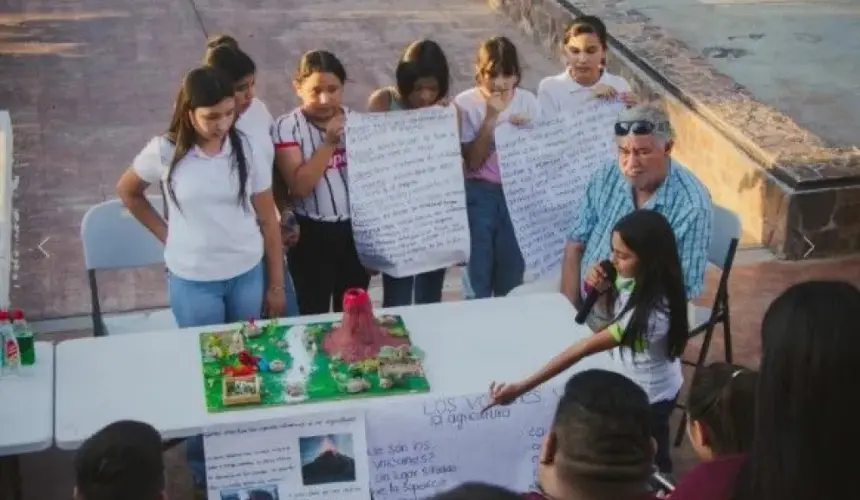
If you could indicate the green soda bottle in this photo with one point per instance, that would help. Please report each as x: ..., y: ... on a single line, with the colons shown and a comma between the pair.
x: 24, y: 336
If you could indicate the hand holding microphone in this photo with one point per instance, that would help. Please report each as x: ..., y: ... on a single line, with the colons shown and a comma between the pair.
x: 598, y: 279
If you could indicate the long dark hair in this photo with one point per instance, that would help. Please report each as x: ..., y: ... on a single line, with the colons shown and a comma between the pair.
x: 202, y: 88
x: 422, y: 59
x: 722, y: 400
x: 223, y: 52
x: 659, y: 280
x: 804, y: 428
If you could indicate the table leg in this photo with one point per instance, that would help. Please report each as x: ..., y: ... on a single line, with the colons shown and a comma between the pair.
x: 10, y: 478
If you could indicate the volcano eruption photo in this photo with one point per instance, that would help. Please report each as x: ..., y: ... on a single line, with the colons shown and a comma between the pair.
x: 327, y: 459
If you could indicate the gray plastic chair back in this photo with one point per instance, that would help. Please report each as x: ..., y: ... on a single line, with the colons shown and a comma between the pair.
x: 113, y: 239
x: 725, y: 228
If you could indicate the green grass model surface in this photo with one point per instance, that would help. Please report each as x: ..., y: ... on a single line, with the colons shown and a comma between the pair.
x: 292, y: 367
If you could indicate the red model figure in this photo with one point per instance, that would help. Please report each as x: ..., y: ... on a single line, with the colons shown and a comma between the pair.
x: 359, y: 336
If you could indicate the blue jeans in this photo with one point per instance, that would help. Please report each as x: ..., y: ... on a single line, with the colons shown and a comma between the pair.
x: 427, y: 286
x: 496, y: 265
x: 468, y: 293
x: 203, y: 303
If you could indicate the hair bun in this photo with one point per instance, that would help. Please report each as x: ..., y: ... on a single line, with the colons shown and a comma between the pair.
x: 216, y: 41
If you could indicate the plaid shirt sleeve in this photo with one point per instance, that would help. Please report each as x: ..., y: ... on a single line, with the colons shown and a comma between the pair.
x: 694, y: 238
x: 586, y: 217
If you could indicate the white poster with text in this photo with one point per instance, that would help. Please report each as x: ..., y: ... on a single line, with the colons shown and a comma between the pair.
x: 406, y: 189
x: 423, y: 447
x: 316, y: 456
x: 545, y: 169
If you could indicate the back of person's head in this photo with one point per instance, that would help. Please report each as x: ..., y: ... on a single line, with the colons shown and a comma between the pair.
x: 600, y: 444
x: 651, y: 246
x: 804, y: 434
x: 223, y: 52
x: 477, y: 491
x: 123, y: 461
x: 720, y: 406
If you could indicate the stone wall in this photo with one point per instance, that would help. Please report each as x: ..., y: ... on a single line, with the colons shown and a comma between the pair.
x: 793, y: 194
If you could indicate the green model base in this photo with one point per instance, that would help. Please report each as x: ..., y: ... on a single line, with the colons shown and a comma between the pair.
x: 287, y: 365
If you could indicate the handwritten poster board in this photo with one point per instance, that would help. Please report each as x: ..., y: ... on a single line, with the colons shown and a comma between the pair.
x: 407, y: 195
x: 545, y: 169
x: 321, y: 456
x: 423, y: 447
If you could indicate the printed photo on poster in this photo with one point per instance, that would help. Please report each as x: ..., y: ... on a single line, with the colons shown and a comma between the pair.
x: 327, y: 459
x: 322, y: 455
x: 256, y: 493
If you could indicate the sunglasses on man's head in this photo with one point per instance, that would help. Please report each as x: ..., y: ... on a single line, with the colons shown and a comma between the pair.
x: 635, y: 127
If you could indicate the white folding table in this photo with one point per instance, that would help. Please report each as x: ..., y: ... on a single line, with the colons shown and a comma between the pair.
x: 26, y: 415
x: 157, y: 377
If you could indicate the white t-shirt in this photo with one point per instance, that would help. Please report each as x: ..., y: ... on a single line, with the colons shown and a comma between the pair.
x: 210, y: 235
x: 256, y: 122
x: 473, y: 108
x: 647, y: 363
x: 561, y: 92
x: 329, y: 201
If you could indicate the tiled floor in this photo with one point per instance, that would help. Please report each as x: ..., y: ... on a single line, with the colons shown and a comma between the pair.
x: 88, y: 81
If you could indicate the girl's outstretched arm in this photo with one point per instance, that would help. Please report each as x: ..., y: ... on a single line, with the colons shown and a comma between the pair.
x: 503, y: 394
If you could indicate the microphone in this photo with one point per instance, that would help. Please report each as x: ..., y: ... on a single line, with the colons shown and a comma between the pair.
x: 594, y: 294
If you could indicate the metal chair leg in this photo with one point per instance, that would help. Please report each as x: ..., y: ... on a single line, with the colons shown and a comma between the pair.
x: 727, y: 337
x: 703, y: 355
x: 682, y: 429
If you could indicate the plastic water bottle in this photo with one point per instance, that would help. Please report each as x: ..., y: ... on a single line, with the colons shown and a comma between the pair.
x: 11, y: 352
x: 24, y: 336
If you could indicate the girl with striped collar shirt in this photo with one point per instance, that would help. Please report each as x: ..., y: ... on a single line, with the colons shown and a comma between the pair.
x: 311, y: 158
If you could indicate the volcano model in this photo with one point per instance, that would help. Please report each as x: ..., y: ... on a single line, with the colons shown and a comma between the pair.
x: 330, y: 466
x: 359, y: 336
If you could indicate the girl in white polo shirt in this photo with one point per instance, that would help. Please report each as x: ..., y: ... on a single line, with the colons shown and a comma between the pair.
x: 649, y: 333
x: 255, y: 121
x: 585, y: 77
x: 311, y: 159
x: 496, y: 265
x: 222, y: 214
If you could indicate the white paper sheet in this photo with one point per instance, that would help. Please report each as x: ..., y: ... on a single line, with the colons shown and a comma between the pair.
x: 320, y: 456
x: 545, y: 169
x: 407, y: 195
x: 423, y: 447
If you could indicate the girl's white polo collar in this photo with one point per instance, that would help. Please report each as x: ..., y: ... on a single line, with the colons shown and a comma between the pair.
x: 226, y: 150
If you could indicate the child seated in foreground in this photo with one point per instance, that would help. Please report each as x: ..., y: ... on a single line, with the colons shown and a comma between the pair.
x: 123, y: 461
x: 720, y: 423
x: 600, y: 446
x: 477, y: 491
x: 650, y: 329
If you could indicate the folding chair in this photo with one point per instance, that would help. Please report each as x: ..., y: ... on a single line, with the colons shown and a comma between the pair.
x: 724, y: 244
x: 113, y: 239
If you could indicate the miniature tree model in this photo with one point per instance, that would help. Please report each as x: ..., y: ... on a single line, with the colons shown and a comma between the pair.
x: 359, y: 336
